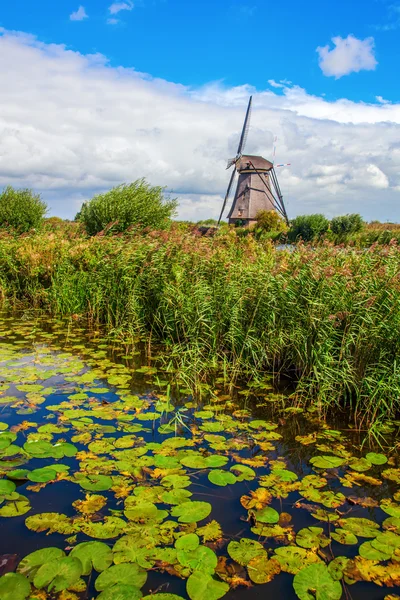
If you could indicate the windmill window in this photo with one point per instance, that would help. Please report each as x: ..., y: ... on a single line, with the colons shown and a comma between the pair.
x: 240, y: 211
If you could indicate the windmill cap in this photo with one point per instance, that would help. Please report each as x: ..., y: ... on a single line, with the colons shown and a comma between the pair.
x: 256, y: 162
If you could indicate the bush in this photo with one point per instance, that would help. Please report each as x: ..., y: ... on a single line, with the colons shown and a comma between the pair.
x: 137, y: 203
x: 270, y: 220
x: 21, y: 210
x: 346, y: 225
x: 308, y: 228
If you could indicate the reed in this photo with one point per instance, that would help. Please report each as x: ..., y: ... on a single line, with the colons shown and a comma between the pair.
x: 328, y: 316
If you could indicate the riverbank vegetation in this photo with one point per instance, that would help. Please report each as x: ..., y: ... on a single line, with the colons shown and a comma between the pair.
x: 325, y: 316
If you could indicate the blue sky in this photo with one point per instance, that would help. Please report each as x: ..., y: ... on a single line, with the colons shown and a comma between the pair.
x: 97, y: 92
x: 229, y: 40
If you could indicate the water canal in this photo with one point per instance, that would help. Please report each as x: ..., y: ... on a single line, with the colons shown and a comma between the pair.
x: 116, y: 484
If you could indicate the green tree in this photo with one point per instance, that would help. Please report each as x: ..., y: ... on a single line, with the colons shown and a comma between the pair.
x: 137, y: 203
x: 21, y: 209
x: 270, y: 220
x: 308, y: 228
x: 347, y: 224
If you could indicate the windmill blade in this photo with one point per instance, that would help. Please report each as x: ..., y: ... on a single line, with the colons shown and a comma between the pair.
x: 231, y: 161
x: 228, y: 191
x: 245, y: 129
x: 281, y: 203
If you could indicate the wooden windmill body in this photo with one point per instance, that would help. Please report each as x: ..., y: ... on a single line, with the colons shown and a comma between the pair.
x: 257, y: 188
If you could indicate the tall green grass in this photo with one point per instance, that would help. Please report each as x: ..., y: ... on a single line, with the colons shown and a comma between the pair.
x: 327, y: 316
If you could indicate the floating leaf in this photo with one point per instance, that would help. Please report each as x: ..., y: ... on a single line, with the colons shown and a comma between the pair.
x: 130, y: 549
x: 94, y: 483
x: 128, y: 573
x: 191, y: 512
x: 6, y: 487
x: 293, y: 559
x: 121, y: 591
x: 188, y: 542
x: 42, y: 475
x: 202, y: 586
x: 210, y: 532
x: 376, y: 459
x: 221, y: 478
x: 201, y: 559
x: 315, y: 582
x: 14, y: 586
x: 243, y: 473
x: 267, y: 515
x: 360, y: 526
x: 312, y: 537
x: 59, y: 574
x: 111, y: 527
x: 16, y: 507
x: 263, y: 570
x: 96, y: 555
x: 360, y: 464
x: 54, y: 522
x: 344, y: 537
x: 90, y: 505
x: 389, y: 507
x: 327, y: 462
x: 31, y: 563
x: 243, y: 551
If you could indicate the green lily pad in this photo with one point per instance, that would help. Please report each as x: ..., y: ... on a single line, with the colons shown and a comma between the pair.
x: 292, y: 559
x: 176, y: 496
x: 191, y: 512
x: 376, y: 459
x: 42, y: 475
x: 31, y: 563
x: 162, y: 596
x: 243, y: 473
x: 94, y: 483
x: 360, y: 464
x: 96, y: 555
x: 14, y: 586
x: 327, y: 462
x: 344, y: 537
x: 360, y: 526
x: 202, y: 586
x: 128, y: 573
x: 243, y: 551
x: 390, y: 508
x: 366, y: 550
x: 311, y: 537
x: 54, y: 522
x: 315, y: 582
x: 201, y: 559
x: 263, y: 570
x: 188, y: 542
x: 111, y: 527
x: 16, y: 507
x: 6, y: 487
x: 129, y: 549
x: 121, y: 591
x: 58, y: 575
x: 221, y: 478
x: 267, y: 515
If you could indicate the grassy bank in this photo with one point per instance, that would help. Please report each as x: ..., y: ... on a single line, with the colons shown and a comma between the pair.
x: 328, y: 316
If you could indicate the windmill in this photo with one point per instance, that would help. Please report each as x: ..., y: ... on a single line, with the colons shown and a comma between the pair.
x: 257, y: 188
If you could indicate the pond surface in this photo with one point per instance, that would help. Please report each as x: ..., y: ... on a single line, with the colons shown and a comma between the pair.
x: 115, y: 487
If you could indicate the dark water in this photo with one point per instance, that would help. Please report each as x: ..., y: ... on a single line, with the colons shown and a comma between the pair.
x: 69, y: 360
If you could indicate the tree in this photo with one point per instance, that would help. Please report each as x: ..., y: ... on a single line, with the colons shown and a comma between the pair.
x: 270, y: 220
x: 346, y: 225
x: 21, y: 209
x: 137, y: 203
x: 308, y: 228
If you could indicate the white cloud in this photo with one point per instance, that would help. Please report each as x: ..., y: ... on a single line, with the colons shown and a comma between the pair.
x: 79, y: 15
x: 382, y: 100
x: 116, y: 7
x: 349, y: 55
x: 89, y: 126
x: 112, y: 21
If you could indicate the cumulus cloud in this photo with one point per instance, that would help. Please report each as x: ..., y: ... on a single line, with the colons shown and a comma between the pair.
x: 79, y: 15
x: 116, y: 7
x: 349, y: 55
x: 89, y: 126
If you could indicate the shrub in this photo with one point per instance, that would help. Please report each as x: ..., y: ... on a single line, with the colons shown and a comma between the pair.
x: 270, y: 220
x: 21, y: 210
x: 308, y: 228
x: 346, y: 225
x: 137, y: 203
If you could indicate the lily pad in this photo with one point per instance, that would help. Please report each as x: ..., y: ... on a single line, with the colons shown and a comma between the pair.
x: 31, y: 563
x: 312, y: 537
x: 243, y: 551
x: 267, y: 515
x: 315, y: 582
x: 263, y: 570
x: 42, y: 475
x: 58, y: 575
x: 16, y: 507
x: 14, y: 586
x: 292, y: 559
x: 201, y: 559
x: 376, y: 459
x: 221, y: 478
x: 6, y: 487
x: 191, y: 512
x: 360, y: 526
x: 344, y: 537
x: 121, y: 591
x: 327, y: 462
x: 188, y: 542
x: 96, y: 555
x: 129, y: 573
x: 202, y: 586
